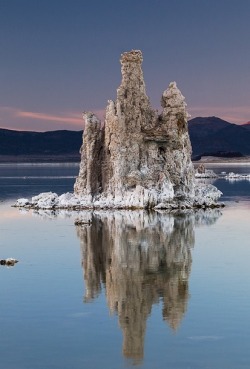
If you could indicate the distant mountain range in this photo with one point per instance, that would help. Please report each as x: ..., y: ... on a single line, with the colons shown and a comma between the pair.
x: 209, y: 136
x: 48, y: 144
x: 246, y: 125
x: 213, y: 136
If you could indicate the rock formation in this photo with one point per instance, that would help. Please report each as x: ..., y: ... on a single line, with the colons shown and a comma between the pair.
x: 138, y: 159
x: 202, y: 172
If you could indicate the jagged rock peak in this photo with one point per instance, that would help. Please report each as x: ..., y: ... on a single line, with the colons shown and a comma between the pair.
x: 132, y: 76
x: 90, y: 118
x: 173, y: 98
x: 133, y: 56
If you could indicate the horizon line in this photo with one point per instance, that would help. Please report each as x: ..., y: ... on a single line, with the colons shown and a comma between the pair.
x: 78, y: 130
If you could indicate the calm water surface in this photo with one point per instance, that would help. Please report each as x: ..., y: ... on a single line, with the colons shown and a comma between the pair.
x: 151, y: 290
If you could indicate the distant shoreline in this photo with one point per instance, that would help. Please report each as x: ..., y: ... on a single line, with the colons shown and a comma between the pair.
x: 75, y: 158
x: 220, y: 160
x: 9, y: 159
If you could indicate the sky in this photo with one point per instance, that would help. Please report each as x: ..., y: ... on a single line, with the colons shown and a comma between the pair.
x: 61, y: 57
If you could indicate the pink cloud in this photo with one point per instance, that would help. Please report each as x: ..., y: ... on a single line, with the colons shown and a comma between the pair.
x: 18, y: 119
x: 49, y: 117
x: 100, y: 113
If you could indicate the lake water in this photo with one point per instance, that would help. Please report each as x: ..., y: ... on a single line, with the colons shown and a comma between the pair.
x: 133, y: 289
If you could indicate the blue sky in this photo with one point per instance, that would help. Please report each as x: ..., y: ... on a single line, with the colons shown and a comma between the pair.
x: 61, y: 57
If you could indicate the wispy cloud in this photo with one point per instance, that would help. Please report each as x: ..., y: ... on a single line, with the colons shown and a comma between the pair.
x: 15, y: 118
x: 49, y: 117
x: 100, y: 113
x: 20, y: 119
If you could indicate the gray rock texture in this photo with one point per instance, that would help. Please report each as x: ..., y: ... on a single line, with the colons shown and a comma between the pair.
x: 138, y: 159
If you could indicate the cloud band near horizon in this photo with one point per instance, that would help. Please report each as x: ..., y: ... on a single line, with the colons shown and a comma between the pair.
x: 18, y: 119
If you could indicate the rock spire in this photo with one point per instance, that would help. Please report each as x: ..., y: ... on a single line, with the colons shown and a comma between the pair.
x: 139, y: 159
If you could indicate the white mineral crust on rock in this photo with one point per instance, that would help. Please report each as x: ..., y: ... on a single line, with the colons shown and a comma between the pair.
x: 236, y: 176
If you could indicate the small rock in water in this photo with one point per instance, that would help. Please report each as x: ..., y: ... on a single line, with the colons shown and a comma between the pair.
x: 8, y: 262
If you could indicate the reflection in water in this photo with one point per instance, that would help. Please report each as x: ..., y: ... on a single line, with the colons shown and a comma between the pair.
x: 205, y: 180
x: 142, y: 259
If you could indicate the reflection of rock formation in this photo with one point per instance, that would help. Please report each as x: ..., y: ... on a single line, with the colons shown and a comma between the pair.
x: 142, y: 259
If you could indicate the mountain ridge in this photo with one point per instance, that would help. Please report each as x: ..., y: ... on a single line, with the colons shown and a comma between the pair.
x: 210, y: 136
x: 40, y: 143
